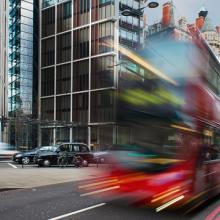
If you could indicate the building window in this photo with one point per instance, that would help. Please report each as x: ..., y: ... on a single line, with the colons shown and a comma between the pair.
x: 46, y: 136
x: 63, y: 108
x: 47, y: 3
x: 102, y: 36
x: 102, y: 136
x: 64, y: 14
x: 81, y: 43
x: 47, y: 49
x: 47, y: 82
x: 62, y: 135
x: 48, y: 22
x: 80, y: 108
x: 102, y: 72
x: 80, y: 134
x: 63, y: 79
x: 102, y: 9
x: 47, y: 109
x: 81, y: 12
x: 64, y: 48
x: 81, y: 75
x: 102, y: 103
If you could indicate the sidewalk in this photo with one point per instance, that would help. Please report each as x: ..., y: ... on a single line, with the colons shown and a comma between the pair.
x: 30, y: 177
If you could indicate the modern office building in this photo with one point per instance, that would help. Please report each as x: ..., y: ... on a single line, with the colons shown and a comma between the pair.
x: 79, y: 71
x: 23, y: 33
x: 3, y: 68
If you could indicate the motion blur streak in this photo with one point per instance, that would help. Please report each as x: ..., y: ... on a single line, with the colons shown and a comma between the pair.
x: 160, y: 161
x: 167, y: 191
x: 99, y: 183
x: 202, y: 193
x: 194, y: 207
x: 141, y: 62
x: 100, y: 191
x: 145, y: 64
x: 165, y: 195
x: 169, y: 203
x: 183, y: 128
x: 213, y: 214
x: 166, y: 147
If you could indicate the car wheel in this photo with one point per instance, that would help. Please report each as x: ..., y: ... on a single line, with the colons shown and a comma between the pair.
x: 26, y: 160
x: 46, y: 163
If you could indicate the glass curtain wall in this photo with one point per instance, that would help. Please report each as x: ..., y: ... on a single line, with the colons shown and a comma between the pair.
x: 20, y: 57
x: 23, y: 23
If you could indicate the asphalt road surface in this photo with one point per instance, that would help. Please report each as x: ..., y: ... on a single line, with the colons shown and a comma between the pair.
x: 63, y: 201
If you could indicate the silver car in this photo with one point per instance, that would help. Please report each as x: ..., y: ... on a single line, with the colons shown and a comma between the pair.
x: 7, y: 151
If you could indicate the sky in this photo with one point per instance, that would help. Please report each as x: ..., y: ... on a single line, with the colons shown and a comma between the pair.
x: 188, y: 9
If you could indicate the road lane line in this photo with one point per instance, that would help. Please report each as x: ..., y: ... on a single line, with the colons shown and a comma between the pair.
x: 12, y: 165
x: 78, y: 211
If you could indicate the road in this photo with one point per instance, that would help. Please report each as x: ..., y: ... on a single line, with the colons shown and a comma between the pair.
x: 63, y: 201
x: 14, y: 176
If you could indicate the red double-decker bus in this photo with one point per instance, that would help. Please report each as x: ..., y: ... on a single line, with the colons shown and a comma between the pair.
x: 167, y: 151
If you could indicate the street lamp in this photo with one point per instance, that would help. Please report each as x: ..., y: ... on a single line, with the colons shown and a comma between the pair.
x: 139, y: 12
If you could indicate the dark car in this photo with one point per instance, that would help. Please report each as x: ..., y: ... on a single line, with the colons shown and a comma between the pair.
x: 72, y: 149
x: 28, y: 156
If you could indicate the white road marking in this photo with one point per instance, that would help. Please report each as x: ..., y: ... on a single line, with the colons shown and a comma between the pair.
x: 78, y: 211
x: 169, y: 203
x: 12, y: 165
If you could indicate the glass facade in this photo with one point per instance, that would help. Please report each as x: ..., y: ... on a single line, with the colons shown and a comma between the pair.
x: 3, y: 66
x: 23, y: 67
x: 64, y: 17
x: 63, y: 48
x: 47, y: 81
x: 63, y: 79
x: 48, y: 52
x: 78, y: 78
x: 81, y: 75
x: 48, y: 22
x: 21, y: 56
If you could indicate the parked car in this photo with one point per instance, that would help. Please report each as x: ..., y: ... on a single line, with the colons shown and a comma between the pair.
x: 28, y: 156
x: 49, y: 158
x: 7, y: 150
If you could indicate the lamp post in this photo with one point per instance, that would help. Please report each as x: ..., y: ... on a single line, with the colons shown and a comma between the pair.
x: 139, y: 12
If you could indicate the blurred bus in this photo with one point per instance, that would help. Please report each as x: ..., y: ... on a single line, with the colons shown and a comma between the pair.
x: 167, y: 150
